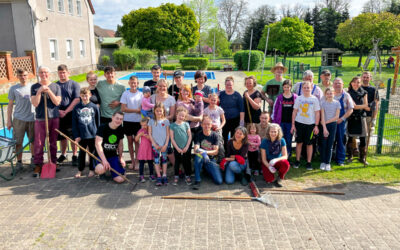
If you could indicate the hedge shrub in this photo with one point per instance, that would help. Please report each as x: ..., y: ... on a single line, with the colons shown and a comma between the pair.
x: 144, y: 57
x: 125, y: 58
x: 241, y: 59
x: 214, y: 68
x: 226, y: 53
x: 169, y: 66
x: 200, y: 63
x: 105, y: 60
x: 190, y: 67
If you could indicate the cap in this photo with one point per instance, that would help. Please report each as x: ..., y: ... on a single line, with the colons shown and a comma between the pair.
x: 178, y: 73
x: 199, y: 92
x: 146, y: 89
x: 325, y: 72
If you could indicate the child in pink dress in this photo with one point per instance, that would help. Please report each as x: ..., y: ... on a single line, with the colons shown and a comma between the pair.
x: 145, y: 152
x: 254, y: 147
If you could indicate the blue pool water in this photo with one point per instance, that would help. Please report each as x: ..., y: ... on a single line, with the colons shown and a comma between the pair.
x: 8, y: 133
x: 147, y: 75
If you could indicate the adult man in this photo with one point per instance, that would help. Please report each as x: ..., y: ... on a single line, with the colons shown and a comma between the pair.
x: 23, y: 120
x: 325, y: 80
x: 373, y: 99
x: 110, y: 92
x: 316, y: 91
x: 109, y: 147
x: 52, y: 93
x: 346, y: 109
x: 70, y: 97
x: 278, y: 70
x: 175, y: 88
x: 156, y: 72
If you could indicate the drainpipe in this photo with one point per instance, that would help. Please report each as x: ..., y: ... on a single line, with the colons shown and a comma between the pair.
x: 34, y: 40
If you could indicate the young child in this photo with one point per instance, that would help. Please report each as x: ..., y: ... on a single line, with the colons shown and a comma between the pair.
x: 145, y: 152
x: 198, y: 108
x: 305, y: 120
x: 282, y: 113
x: 181, y: 138
x: 91, y: 78
x: 254, y: 141
x: 146, y: 103
x: 85, y: 121
x: 263, y: 125
x: 159, y: 136
x: 330, y: 109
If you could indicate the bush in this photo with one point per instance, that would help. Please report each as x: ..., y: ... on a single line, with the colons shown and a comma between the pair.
x: 169, y: 66
x: 144, y: 57
x: 125, y: 58
x: 241, y: 59
x: 200, y: 63
x: 226, y: 53
x: 214, y: 67
x: 190, y: 55
x: 105, y: 60
x: 190, y: 67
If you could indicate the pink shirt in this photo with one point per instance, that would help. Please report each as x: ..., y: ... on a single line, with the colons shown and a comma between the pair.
x: 146, y: 104
x: 254, y: 142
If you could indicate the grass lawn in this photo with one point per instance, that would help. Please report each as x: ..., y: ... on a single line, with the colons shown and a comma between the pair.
x: 382, y: 169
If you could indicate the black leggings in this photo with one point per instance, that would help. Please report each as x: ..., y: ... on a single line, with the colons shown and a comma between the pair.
x: 230, y: 126
x: 86, y: 143
x: 141, y: 166
x: 186, y: 161
x: 253, y: 160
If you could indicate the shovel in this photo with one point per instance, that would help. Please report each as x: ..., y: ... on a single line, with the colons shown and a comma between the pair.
x: 49, y: 168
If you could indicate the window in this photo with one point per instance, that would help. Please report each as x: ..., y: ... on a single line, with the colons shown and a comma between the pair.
x: 82, y: 48
x: 69, y: 49
x: 70, y: 7
x: 61, y: 5
x: 78, y: 8
x: 50, y: 5
x: 53, y: 49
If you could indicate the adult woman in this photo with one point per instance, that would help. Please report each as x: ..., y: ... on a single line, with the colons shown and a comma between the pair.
x: 357, y: 126
x: 201, y: 78
x: 186, y: 100
x: 91, y: 78
x: 236, y: 156
x: 252, y: 101
x: 232, y: 104
x: 162, y: 95
x: 274, y: 156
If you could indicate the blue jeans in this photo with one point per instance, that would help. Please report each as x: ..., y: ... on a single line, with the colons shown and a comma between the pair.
x: 286, y: 126
x: 211, y: 167
x: 327, y: 143
x: 231, y: 169
x: 340, y: 147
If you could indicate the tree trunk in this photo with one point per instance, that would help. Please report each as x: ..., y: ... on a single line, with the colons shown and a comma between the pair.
x: 360, y: 58
x: 285, y: 55
x: 159, y: 58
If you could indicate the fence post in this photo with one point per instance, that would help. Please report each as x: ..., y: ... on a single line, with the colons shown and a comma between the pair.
x: 9, y: 69
x: 31, y: 54
x: 383, y: 110
x: 298, y: 70
x: 290, y: 64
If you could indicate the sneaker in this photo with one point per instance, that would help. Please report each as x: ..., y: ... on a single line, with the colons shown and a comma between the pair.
x: 75, y: 160
x: 277, y: 183
x: 308, y: 166
x: 141, y: 179
x: 176, y: 179
x: 18, y: 166
x: 158, y: 182
x: 61, y: 158
x: 296, y: 164
x: 256, y: 173
x: 328, y: 167
x: 322, y: 166
x: 340, y: 164
x: 36, y: 172
x: 188, y: 180
x: 152, y: 178
x: 165, y: 180
x: 196, y: 185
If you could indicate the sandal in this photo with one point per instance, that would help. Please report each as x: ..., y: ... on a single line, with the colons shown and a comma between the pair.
x: 91, y: 174
x: 78, y: 175
x: 176, y: 179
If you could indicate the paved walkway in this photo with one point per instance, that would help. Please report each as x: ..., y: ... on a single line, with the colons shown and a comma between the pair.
x: 97, y: 214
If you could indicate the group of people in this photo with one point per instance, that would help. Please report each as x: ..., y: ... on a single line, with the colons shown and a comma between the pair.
x: 225, y: 133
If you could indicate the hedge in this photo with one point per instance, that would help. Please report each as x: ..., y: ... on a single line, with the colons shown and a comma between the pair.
x: 200, y: 63
x: 126, y: 58
x: 190, y: 67
x: 169, y: 66
x: 214, y: 68
x: 241, y: 59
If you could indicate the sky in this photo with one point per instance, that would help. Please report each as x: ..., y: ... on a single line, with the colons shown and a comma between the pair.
x: 109, y: 12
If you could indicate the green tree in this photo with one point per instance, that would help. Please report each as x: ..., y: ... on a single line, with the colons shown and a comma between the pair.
x: 361, y: 30
x: 206, y: 14
x: 291, y: 35
x: 221, y: 41
x: 168, y: 26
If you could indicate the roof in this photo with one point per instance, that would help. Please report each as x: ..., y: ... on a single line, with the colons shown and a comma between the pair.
x: 91, y: 7
x: 332, y: 50
x: 98, y: 31
x: 111, y: 40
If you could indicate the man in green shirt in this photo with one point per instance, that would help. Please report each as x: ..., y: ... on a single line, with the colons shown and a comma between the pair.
x: 270, y: 92
x: 110, y: 92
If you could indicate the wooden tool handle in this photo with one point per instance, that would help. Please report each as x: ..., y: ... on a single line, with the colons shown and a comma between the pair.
x: 206, y: 198
x: 304, y: 191
x: 46, y: 120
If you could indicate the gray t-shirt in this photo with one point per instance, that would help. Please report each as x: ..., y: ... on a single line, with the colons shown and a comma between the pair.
x: 69, y: 91
x: 23, y: 109
x: 330, y: 108
x: 168, y: 103
x: 306, y: 106
x: 180, y: 134
x: 159, y: 131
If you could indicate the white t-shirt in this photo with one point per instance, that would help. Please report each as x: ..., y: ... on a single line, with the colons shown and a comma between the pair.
x: 306, y: 107
x: 168, y: 103
x: 132, y: 101
x: 214, y: 114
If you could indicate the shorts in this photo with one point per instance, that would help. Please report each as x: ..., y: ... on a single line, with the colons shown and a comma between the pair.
x: 65, y: 126
x: 304, y: 132
x: 131, y: 128
x: 19, y: 129
x: 159, y: 157
x: 116, y: 165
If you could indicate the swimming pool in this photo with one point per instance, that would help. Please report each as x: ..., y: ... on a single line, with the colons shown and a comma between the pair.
x: 147, y: 75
